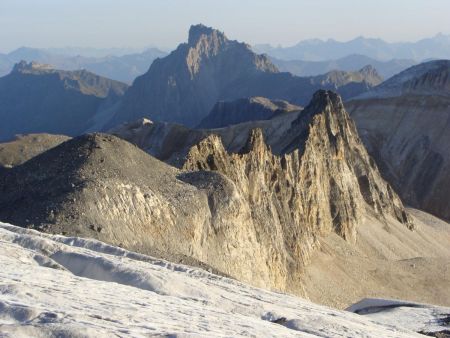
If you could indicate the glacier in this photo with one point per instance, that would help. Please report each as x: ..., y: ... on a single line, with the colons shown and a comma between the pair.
x: 51, y: 285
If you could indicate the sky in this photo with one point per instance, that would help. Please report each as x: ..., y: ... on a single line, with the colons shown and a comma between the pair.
x: 165, y: 23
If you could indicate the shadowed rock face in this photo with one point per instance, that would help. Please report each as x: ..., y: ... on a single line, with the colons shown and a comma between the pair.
x: 405, y: 125
x: 253, y: 215
x: 35, y: 98
x: 184, y: 86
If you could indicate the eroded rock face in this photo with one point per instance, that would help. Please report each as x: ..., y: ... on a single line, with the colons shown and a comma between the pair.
x: 170, y: 142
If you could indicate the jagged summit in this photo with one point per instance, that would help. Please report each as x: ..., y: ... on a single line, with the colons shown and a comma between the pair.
x: 184, y: 86
x: 196, y: 32
x: 323, y: 99
x: 206, y: 43
x: 255, y: 142
x: 256, y: 215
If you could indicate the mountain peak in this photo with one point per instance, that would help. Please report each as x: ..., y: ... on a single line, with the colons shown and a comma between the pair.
x: 371, y: 74
x: 323, y: 99
x: 255, y: 142
x: 368, y: 69
x: 197, y: 31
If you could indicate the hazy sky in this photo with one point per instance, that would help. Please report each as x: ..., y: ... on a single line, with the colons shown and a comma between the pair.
x: 164, y: 23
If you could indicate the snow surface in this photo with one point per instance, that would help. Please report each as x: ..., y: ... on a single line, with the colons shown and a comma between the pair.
x: 70, y: 287
x: 415, y: 316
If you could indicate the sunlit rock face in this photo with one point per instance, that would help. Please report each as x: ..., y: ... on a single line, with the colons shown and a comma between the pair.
x: 323, y: 181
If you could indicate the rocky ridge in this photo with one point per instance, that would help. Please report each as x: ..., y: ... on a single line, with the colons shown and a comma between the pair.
x: 124, y: 66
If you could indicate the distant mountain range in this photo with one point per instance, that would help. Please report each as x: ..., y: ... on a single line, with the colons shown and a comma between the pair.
x: 182, y: 87
x: 123, y: 68
x: 353, y: 62
x: 437, y: 47
x: 307, y: 58
x: 97, y: 52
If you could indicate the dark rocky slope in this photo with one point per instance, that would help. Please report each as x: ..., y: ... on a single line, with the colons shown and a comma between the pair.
x: 35, y: 98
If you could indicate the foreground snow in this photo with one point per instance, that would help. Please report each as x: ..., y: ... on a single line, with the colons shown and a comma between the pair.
x: 72, y: 287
